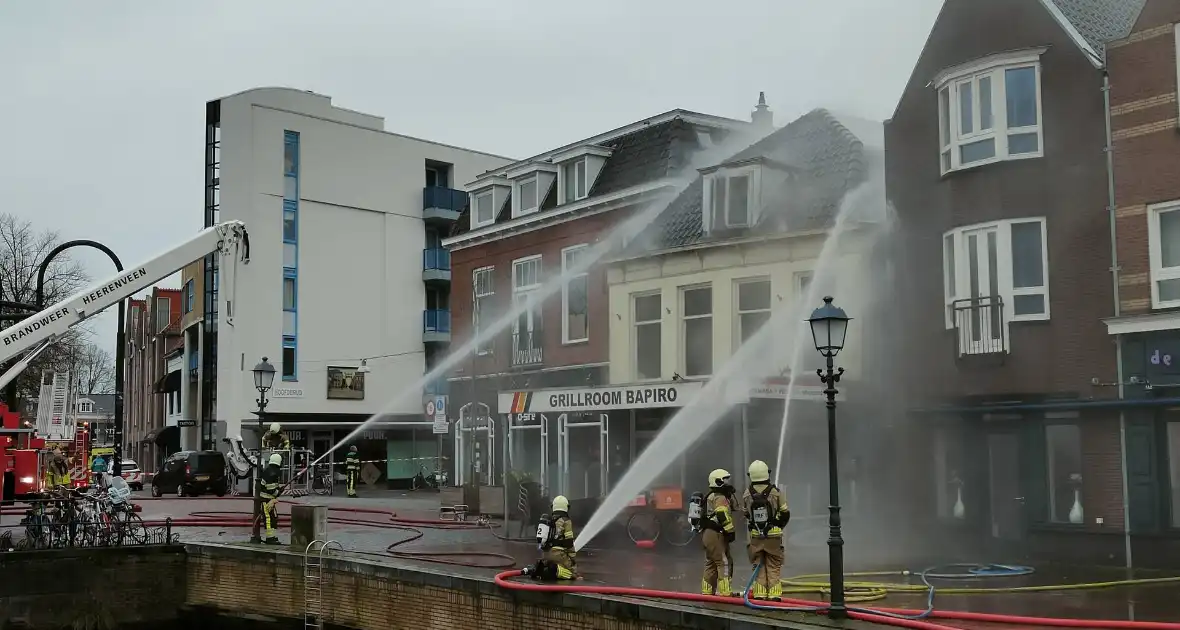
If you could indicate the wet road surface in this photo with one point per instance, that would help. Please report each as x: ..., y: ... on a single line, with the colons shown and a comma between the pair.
x: 612, y: 561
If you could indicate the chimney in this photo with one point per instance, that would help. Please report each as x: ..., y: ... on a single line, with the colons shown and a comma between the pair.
x: 762, y: 117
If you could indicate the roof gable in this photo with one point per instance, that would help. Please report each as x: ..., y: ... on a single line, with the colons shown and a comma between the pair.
x: 1093, y: 23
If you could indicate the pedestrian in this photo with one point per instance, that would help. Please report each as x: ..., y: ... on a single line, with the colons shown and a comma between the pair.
x: 766, y: 514
x: 268, y: 493
x: 352, y: 470
x: 717, y: 522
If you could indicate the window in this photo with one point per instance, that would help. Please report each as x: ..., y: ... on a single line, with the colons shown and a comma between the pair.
x: 753, y: 307
x: 289, y: 373
x: 948, y: 458
x: 290, y: 223
x: 574, y: 296
x: 995, y: 271
x: 288, y: 294
x: 1174, y: 469
x: 484, y: 211
x: 1163, y: 227
x: 697, y: 312
x: 573, y: 180
x: 527, y: 196
x: 86, y: 407
x: 803, y: 284
x: 729, y: 199
x: 526, y: 329
x: 437, y: 175
x: 990, y: 111
x: 1065, y: 470
x: 484, y: 291
x: 163, y: 313
x: 648, y: 352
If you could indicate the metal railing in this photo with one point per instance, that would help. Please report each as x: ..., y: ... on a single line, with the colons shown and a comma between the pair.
x: 71, y: 519
x: 436, y: 320
x: 444, y: 198
x: 436, y: 258
x: 527, y: 348
x: 979, y: 325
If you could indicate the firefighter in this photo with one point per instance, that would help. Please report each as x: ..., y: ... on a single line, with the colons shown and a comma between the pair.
x: 274, y: 439
x: 555, y: 538
x: 766, y: 514
x: 57, y: 470
x: 352, y: 469
x: 268, y: 493
x: 717, y: 522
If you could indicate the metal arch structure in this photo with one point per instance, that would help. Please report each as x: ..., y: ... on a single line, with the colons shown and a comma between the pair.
x: 120, y: 334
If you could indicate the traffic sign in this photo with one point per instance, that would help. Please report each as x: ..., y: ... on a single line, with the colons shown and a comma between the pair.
x: 430, y: 409
x: 440, y: 405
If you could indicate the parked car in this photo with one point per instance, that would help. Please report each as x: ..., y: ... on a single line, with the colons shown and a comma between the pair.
x: 130, y: 473
x: 192, y: 473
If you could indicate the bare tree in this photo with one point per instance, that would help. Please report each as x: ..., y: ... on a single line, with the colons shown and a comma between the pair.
x: 22, y: 250
x: 92, y: 368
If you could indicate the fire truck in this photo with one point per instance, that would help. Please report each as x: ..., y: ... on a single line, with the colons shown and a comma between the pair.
x: 27, y: 449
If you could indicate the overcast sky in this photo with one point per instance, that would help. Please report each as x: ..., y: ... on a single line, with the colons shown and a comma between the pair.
x: 103, y: 102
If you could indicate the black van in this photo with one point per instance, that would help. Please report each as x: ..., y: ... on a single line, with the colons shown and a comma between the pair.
x: 192, y: 473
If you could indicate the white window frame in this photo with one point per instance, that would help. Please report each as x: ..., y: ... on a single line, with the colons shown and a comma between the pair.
x: 564, y: 183
x: 477, y: 301
x: 993, y: 66
x: 753, y: 178
x: 1155, y: 253
x: 803, y: 280
x: 475, y: 199
x: 86, y: 407
x: 525, y: 292
x: 565, y: 295
x: 636, y: 323
x: 683, y: 333
x: 737, y: 304
x: 960, y: 287
x: 165, y: 312
x: 519, y: 197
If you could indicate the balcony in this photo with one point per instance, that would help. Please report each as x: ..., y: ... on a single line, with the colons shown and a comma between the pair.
x: 436, y: 325
x: 441, y: 204
x: 980, y: 327
x: 436, y: 265
x: 526, y: 348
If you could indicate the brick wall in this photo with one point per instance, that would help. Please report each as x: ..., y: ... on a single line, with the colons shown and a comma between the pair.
x: 1144, y: 114
x: 76, y: 587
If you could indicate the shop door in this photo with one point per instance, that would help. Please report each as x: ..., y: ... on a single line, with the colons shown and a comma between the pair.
x: 528, y: 446
x: 583, y: 447
x: 475, y: 449
x: 1007, y: 506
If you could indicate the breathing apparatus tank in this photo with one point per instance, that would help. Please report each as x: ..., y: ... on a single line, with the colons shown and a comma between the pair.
x: 545, y: 532
x: 696, y: 510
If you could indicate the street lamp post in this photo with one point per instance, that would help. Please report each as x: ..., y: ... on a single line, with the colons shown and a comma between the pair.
x: 829, y: 326
x: 264, y: 378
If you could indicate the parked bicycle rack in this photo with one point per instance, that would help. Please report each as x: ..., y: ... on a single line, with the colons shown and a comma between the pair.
x: 313, y: 582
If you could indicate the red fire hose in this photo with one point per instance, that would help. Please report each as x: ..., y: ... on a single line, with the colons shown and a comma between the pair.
x: 502, y: 580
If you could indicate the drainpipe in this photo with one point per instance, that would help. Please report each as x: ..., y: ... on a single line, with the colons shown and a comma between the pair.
x: 1118, y: 339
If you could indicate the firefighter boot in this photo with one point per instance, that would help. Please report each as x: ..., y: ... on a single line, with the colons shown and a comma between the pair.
x: 706, y: 588
x: 723, y: 587
x: 273, y: 540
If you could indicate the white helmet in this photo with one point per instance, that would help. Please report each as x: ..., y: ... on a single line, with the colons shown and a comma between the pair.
x: 759, y: 471
x: 561, y: 504
x: 275, y: 427
x: 276, y: 459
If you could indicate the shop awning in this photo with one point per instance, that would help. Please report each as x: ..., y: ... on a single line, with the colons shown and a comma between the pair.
x: 150, y: 438
x: 168, y: 383
x: 167, y: 435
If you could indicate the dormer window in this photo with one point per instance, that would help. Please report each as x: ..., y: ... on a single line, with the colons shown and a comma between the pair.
x: 86, y: 407
x: 573, y: 180
x: 485, y: 211
x: 730, y: 198
x: 526, y: 194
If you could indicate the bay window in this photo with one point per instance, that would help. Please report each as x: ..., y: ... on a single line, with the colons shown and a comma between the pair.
x: 1163, y: 230
x: 994, y: 273
x: 990, y: 110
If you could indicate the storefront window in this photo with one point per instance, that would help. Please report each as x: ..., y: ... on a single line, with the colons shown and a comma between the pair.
x: 948, y: 462
x: 1065, y: 469
x: 1174, y: 469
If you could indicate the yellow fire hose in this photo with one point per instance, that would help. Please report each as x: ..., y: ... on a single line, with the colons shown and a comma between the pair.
x: 873, y: 590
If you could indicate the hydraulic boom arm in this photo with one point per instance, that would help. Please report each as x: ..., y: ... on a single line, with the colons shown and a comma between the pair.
x: 225, y: 238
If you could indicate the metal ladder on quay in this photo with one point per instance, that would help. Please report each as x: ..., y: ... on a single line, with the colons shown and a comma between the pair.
x: 313, y: 582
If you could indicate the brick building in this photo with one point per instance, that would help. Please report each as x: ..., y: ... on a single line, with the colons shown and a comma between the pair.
x: 1146, y: 323
x: 996, y: 165
x: 153, y: 336
x: 528, y: 224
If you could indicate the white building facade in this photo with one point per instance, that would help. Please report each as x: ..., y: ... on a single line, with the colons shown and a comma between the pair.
x: 334, y: 206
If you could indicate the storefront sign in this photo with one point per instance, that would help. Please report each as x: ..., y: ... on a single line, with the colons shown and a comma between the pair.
x: 186, y: 423
x: 599, y: 398
x: 1160, y: 358
x: 286, y: 392
x: 779, y: 391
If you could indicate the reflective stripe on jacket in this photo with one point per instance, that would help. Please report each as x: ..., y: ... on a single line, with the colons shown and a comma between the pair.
x: 778, y: 509
x: 718, y: 509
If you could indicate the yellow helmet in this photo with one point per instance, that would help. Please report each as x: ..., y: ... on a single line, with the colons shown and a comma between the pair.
x: 276, y: 460
x: 561, y: 504
x: 759, y: 472
x: 719, y: 478
x: 275, y: 427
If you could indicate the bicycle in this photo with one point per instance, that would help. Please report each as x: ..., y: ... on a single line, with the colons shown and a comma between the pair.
x: 435, y: 481
x: 649, y: 522
x: 322, y: 483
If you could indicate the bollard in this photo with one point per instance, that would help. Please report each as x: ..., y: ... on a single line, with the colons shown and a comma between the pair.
x: 309, y: 522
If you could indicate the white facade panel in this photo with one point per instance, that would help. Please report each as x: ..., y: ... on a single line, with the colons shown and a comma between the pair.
x: 359, y: 254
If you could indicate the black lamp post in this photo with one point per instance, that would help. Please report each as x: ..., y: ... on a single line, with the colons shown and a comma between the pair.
x: 829, y: 325
x: 264, y: 378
